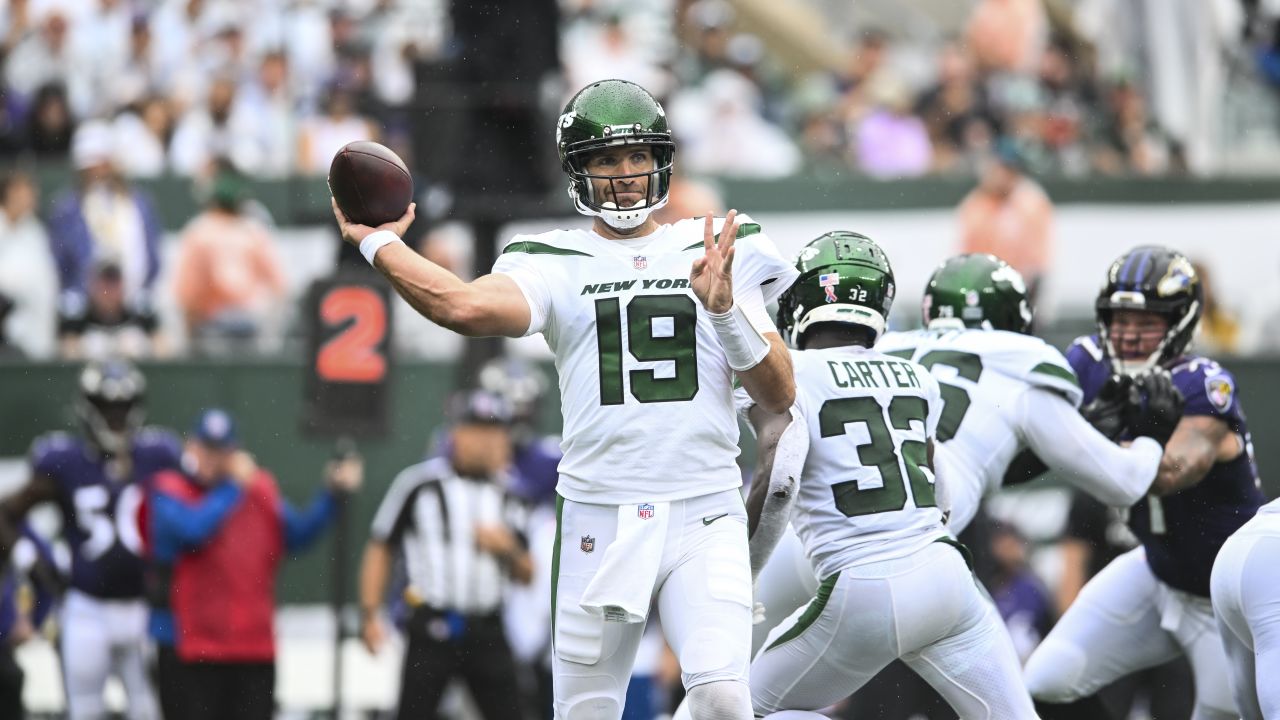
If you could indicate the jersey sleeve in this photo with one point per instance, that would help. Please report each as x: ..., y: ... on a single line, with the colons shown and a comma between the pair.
x: 757, y: 262
x: 1086, y: 360
x: 1035, y: 362
x: 523, y: 268
x: 1210, y: 389
x: 49, y: 452
x: 1051, y: 370
x: 1082, y: 456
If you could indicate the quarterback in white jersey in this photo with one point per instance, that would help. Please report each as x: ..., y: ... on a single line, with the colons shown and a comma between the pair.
x: 894, y: 584
x: 650, y: 324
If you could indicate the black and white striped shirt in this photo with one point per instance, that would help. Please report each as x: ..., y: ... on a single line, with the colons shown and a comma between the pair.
x: 432, y: 513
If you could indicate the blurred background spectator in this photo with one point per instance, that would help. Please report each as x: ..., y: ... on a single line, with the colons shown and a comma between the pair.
x: 322, y: 136
x: 216, y: 130
x: 51, y: 123
x: 100, y: 323
x: 1008, y: 215
x: 890, y: 141
x: 28, y: 281
x: 228, y: 279
x: 102, y: 218
x: 142, y: 134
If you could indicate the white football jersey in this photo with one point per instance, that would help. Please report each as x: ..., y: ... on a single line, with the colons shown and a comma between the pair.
x: 982, y: 372
x: 645, y: 388
x: 867, y: 488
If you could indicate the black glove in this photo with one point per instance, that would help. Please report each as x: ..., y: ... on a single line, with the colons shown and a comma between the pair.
x: 1157, y: 417
x: 1110, y: 410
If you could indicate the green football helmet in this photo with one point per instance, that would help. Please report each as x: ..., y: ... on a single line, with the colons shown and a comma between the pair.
x: 977, y: 290
x: 605, y: 114
x: 844, y: 278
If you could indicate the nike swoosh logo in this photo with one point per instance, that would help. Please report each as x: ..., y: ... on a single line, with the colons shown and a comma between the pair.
x: 708, y: 521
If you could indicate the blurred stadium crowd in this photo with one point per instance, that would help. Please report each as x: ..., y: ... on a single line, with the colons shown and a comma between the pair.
x: 277, y: 86
x: 223, y: 91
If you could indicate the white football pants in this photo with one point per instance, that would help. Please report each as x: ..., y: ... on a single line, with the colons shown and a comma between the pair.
x: 1125, y: 620
x: 100, y: 637
x: 1246, y: 599
x: 703, y: 594
x: 925, y: 608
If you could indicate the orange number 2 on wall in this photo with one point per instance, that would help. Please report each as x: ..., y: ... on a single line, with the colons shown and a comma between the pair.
x: 353, y: 355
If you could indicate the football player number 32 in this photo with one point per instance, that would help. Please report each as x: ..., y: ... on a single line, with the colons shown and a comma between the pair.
x: 353, y: 354
x: 881, y: 453
x: 658, y: 328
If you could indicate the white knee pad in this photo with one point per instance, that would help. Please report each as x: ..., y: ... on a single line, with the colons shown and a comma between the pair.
x: 720, y: 700
x: 589, y: 707
x: 588, y: 698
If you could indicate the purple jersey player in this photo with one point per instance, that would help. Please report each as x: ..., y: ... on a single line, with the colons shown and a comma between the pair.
x: 96, y: 482
x: 1152, y: 603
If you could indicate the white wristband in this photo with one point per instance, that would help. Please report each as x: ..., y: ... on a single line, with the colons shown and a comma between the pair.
x: 743, y: 345
x: 375, y: 241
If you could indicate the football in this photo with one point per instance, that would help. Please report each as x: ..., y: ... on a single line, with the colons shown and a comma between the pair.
x: 370, y: 182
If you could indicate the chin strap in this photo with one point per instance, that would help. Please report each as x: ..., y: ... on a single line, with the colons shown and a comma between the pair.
x: 621, y: 219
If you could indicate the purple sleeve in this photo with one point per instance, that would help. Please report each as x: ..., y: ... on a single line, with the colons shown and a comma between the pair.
x: 48, y: 454
x: 1209, y: 389
x: 1091, y: 372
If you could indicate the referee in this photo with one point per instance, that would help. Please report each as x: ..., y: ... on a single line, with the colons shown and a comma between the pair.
x: 459, y: 532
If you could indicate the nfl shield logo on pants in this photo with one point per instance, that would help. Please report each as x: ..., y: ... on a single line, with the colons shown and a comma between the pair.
x: 644, y: 510
x: 588, y: 544
x: 640, y: 262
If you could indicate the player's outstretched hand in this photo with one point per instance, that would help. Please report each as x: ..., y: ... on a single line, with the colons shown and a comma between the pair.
x: 1109, y: 411
x: 355, y: 232
x: 1162, y: 408
x: 712, y: 274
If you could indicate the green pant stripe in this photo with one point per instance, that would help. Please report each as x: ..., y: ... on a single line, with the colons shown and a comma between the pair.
x: 555, y: 563
x: 811, y: 613
x: 964, y: 551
